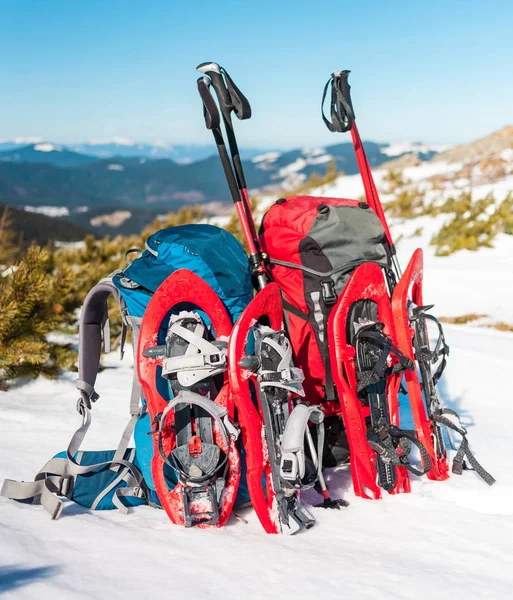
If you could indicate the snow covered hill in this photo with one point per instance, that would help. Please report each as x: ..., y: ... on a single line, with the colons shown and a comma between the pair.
x: 444, y: 540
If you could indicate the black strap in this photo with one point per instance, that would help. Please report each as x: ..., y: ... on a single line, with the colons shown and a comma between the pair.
x: 380, y: 370
x: 464, y: 451
x: 386, y: 439
x: 294, y: 310
x: 341, y: 107
x: 441, y: 349
x: 240, y: 103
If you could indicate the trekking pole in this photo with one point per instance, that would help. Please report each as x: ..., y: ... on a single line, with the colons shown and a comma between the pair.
x: 213, y: 122
x: 342, y: 120
x: 230, y: 99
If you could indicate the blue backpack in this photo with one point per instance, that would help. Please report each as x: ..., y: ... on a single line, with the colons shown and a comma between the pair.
x: 102, y: 480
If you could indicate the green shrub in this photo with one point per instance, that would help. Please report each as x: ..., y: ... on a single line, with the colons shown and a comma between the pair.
x: 30, y: 309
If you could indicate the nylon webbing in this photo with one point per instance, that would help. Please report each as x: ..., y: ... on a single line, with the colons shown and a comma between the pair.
x: 464, y: 449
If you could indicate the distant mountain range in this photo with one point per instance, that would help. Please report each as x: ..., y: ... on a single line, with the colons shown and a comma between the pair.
x: 121, y: 147
x: 86, y: 183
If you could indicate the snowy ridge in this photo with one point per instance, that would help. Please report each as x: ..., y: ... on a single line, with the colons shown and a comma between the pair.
x: 45, y: 147
x: 399, y: 148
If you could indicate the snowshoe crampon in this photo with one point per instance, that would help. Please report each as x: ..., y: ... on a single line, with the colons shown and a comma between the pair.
x: 266, y: 391
x: 194, y: 436
x: 367, y: 375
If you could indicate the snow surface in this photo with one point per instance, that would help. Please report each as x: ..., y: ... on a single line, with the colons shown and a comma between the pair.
x: 46, y: 147
x: 443, y: 540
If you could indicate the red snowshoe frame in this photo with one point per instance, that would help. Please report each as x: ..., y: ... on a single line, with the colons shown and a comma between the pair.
x: 183, y: 286
x: 410, y: 288
x: 266, y: 303
x: 366, y: 283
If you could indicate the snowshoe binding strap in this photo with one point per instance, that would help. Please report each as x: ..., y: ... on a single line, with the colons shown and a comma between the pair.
x: 391, y: 444
x: 200, y: 464
x: 418, y: 314
x: 373, y: 332
x: 275, y: 366
x: 187, y: 355
x: 296, y: 469
x: 218, y: 413
x: 452, y: 421
x: 341, y: 107
x: 394, y: 445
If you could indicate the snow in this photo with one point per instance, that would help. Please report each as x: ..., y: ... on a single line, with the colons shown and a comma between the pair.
x: 313, y: 151
x: 49, y: 211
x: 443, y: 540
x: 22, y: 141
x: 298, y: 165
x: 406, y: 147
x: 267, y: 157
x: 46, y: 147
x: 120, y: 141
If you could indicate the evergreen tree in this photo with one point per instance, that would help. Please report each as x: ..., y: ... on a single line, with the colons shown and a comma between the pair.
x: 30, y: 309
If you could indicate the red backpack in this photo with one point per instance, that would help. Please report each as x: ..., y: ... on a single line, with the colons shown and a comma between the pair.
x: 313, y: 246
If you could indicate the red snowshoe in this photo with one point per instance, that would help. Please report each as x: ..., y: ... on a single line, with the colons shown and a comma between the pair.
x: 194, y: 436
x: 267, y: 391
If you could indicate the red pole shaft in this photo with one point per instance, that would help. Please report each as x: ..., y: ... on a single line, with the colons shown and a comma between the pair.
x: 371, y: 192
x: 249, y: 215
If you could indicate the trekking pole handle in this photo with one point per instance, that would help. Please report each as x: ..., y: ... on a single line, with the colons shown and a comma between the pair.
x: 342, y: 77
x: 229, y: 95
x: 210, y: 110
x: 341, y: 106
x: 213, y: 70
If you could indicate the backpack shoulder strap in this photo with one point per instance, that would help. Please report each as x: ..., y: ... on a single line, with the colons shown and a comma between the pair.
x: 93, y: 330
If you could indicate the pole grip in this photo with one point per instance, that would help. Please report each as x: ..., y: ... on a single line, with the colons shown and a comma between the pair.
x: 229, y: 95
x: 210, y: 110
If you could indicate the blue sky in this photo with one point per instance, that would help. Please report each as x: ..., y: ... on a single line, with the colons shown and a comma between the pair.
x: 437, y: 71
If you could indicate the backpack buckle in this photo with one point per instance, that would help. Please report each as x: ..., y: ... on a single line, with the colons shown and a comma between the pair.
x: 329, y: 294
x: 66, y: 485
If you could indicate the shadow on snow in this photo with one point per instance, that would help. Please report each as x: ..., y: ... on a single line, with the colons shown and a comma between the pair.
x: 13, y: 577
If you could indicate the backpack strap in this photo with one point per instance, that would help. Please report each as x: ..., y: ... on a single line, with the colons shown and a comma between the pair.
x: 94, y: 330
x: 58, y: 475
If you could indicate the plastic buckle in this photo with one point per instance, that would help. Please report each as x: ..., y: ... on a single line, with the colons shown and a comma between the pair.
x: 216, y: 360
x: 124, y: 317
x: 329, y: 295
x: 66, y: 485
